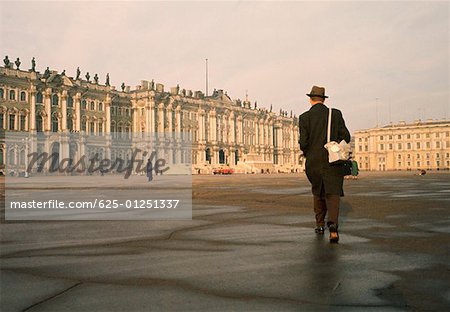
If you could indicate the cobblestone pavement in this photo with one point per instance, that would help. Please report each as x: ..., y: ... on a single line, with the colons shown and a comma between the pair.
x: 249, y: 247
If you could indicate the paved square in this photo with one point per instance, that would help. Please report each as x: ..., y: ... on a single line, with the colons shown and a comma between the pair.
x: 250, y: 247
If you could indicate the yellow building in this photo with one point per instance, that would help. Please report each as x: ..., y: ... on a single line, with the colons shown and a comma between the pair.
x: 419, y: 145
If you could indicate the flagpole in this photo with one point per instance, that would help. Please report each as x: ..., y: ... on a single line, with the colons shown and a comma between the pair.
x: 206, y: 77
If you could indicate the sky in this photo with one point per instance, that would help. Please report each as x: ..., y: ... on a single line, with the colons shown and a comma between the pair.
x: 380, y: 62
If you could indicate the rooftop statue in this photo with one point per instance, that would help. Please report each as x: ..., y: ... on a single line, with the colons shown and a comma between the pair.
x: 18, y: 63
x: 78, y: 73
x: 123, y: 86
x: 152, y: 85
x: 96, y: 78
x: 33, y: 64
x: 6, y: 61
x: 107, y: 80
x: 47, y: 73
x: 63, y: 72
x: 88, y: 76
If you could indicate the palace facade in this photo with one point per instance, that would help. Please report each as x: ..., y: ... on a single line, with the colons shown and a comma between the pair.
x: 223, y: 131
x: 418, y: 145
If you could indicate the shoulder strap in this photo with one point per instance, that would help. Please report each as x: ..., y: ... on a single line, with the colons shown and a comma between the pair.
x: 329, y: 125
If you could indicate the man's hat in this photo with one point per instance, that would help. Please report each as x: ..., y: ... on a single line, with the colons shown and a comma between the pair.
x: 317, y: 92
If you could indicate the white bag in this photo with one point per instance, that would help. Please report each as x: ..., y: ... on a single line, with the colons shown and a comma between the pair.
x: 336, y: 151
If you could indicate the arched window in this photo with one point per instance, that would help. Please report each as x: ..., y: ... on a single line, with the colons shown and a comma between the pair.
x: 2, y: 93
x: 23, y: 96
x: 54, y: 123
x: 38, y: 123
x: 69, y: 122
x: 39, y: 98
x: 2, y: 122
x: 22, y: 157
x: 83, y: 124
x: 208, y: 155
x: 55, y: 100
x: 12, y: 95
x: 12, y: 121
x: 69, y: 101
x: 92, y: 108
x: 100, y: 106
x: 83, y: 104
x: 22, y: 122
x: 12, y: 157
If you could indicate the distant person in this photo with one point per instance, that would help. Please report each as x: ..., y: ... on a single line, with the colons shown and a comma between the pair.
x: 326, y: 180
x: 149, y: 169
x: 355, y: 169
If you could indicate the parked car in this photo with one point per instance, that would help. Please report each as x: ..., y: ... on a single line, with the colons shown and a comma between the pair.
x: 223, y: 170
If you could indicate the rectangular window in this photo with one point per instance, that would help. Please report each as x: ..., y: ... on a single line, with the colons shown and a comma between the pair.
x: 408, y: 136
x: 408, y: 146
x: 390, y: 137
x: 427, y: 135
x: 418, y: 145
x: 438, y: 144
x: 1, y: 121
x: 399, y: 137
x: 437, y: 135
x: 428, y: 144
x: 390, y: 146
x: 366, y: 148
x: 381, y: 138
x: 417, y: 136
x: 91, y: 127
x: 399, y: 146
x: 382, y: 147
x: 360, y: 148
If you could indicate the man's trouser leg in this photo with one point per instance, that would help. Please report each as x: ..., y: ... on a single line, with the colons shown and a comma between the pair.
x: 332, y: 204
x: 320, y: 209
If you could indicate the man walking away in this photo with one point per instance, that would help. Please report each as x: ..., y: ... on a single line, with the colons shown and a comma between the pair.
x: 326, y: 179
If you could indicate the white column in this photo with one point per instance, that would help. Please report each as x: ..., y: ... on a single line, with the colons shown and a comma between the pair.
x: 48, y: 109
x: 152, y: 117
x: 169, y: 118
x: 178, y: 118
x: 107, y: 128
x: 161, y: 118
x: 64, y: 110
x: 232, y: 131
x: 77, y: 125
x: 147, y: 116
x: 33, y: 108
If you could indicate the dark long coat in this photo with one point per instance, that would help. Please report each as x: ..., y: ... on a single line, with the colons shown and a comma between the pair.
x: 325, y: 179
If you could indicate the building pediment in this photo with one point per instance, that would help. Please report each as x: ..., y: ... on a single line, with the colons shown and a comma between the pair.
x: 60, y: 80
